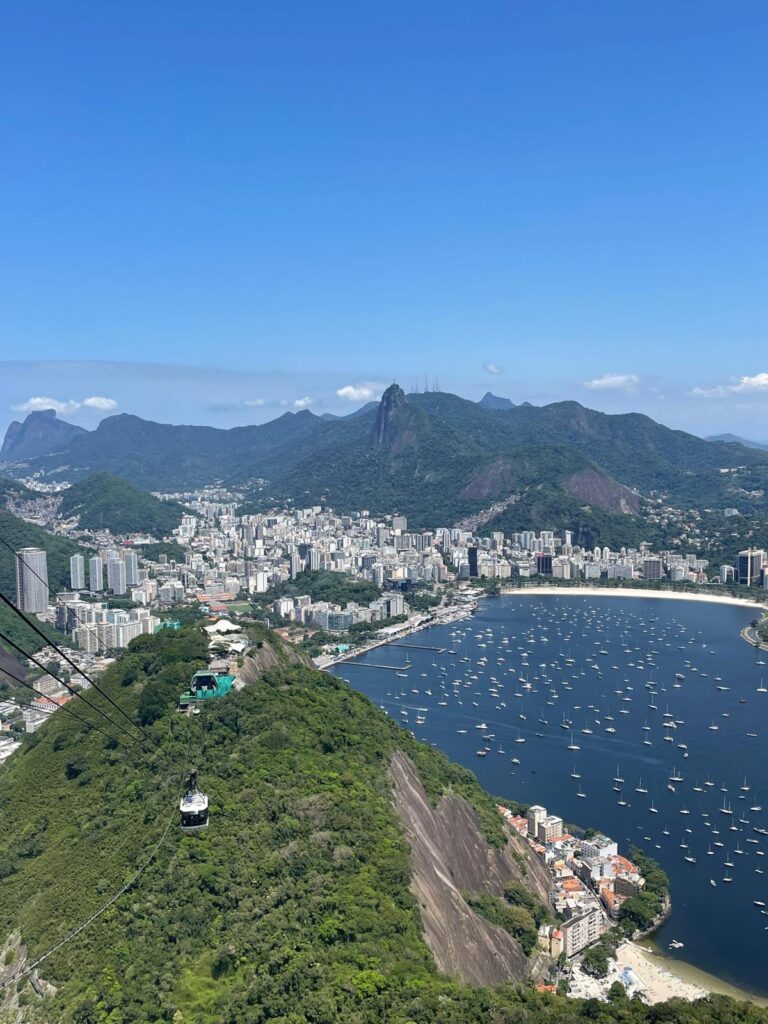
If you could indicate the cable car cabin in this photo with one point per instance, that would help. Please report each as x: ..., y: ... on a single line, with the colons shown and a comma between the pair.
x: 193, y: 807
x: 206, y: 685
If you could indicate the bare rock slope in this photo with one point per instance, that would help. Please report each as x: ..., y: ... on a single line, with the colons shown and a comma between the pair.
x: 449, y: 855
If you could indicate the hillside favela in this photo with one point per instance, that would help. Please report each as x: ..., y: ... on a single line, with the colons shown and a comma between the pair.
x: 384, y: 515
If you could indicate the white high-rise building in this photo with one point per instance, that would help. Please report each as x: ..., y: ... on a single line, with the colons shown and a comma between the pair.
x: 77, y: 572
x: 32, y: 580
x: 116, y: 576
x: 95, y: 574
x: 131, y: 568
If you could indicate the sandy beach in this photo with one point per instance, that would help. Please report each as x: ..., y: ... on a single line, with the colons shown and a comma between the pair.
x: 669, y: 595
x: 657, y: 980
x: 665, y: 978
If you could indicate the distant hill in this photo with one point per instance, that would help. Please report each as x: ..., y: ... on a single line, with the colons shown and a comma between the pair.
x: 107, y: 502
x: 358, y: 412
x: 162, y: 456
x: 735, y: 439
x: 434, y: 456
x: 10, y: 487
x: 491, y: 401
x: 40, y: 434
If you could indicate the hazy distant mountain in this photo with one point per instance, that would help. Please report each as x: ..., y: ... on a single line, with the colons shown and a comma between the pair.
x: 491, y: 401
x: 735, y: 439
x: 435, y: 457
x: 40, y: 434
x: 358, y: 412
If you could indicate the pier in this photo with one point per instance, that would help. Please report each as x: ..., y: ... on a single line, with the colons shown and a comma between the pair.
x: 391, y: 668
x: 421, y: 647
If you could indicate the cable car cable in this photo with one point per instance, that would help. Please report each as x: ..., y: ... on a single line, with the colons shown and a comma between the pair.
x: 71, y: 689
x: 63, y: 707
x: 84, y: 674
x: 105, y: 906
x: 56, y: 596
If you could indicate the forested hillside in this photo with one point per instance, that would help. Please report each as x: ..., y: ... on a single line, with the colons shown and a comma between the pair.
x: 107, y: 502
x: 435, y: 457
x: 294, y: 906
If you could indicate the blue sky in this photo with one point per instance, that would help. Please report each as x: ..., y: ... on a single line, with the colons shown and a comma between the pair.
x: 214, y: 211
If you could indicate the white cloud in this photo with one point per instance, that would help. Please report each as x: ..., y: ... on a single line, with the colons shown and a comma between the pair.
x: 253, y: 403
x: 757, y: 383
x: 493, y: 369
x: 716, y: 392
x: 302, y: 403
x: 358, y: 392
x: 614, y: 382
x: 97, y: 402
x: 38, y: 403
x: 742, y: 386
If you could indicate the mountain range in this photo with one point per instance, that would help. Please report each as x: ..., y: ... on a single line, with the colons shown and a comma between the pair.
x: 434, y: 456
x: 735, y: 439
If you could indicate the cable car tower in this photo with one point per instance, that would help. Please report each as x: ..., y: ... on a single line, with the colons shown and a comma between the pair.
x: 193, y: 806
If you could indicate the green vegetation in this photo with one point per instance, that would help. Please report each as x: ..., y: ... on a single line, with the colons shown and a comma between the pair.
x: 315, y: 642
x: 595, y: 959
x: 515, y: 920
x: 641, y: 912
x: 591, y: 525
x: 422, y: 600
x: 334, y: 587
x: 436, y: 457
x: 107, y: 502
x: 171, y: 549
x: 520, y: 913
x: 293, y: 907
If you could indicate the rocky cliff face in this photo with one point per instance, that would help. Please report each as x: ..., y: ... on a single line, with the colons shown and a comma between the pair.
x: 39, y: 434
x: 449, y: 855
x: 385, y: 429
x: 265, y: 656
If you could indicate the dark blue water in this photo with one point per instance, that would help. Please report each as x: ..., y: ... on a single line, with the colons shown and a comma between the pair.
x: 610, y: 663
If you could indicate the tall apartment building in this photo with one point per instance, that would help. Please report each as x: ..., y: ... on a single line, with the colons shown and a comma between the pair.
x: 131, y: 560
x: 32, y: 580
x: 534, y: 816
x: 550, y: 829
x: 581, y: 930
x: 116, y: 580
x: 77, y: 572
x: 95, y: 574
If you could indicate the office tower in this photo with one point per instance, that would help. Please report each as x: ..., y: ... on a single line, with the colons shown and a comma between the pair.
x: 750, y: 564
x: 77, y: 572
x: 32, y: 580
x: 472, y: 556
x: 131, y: 568
x: 116, y: 576
x: 653, y: 569
x: 544, y: 565
x: 95, y: 574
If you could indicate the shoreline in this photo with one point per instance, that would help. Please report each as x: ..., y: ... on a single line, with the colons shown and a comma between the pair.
x: 647, y: 958
x: 664, y: 595
x: 663, y: 977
